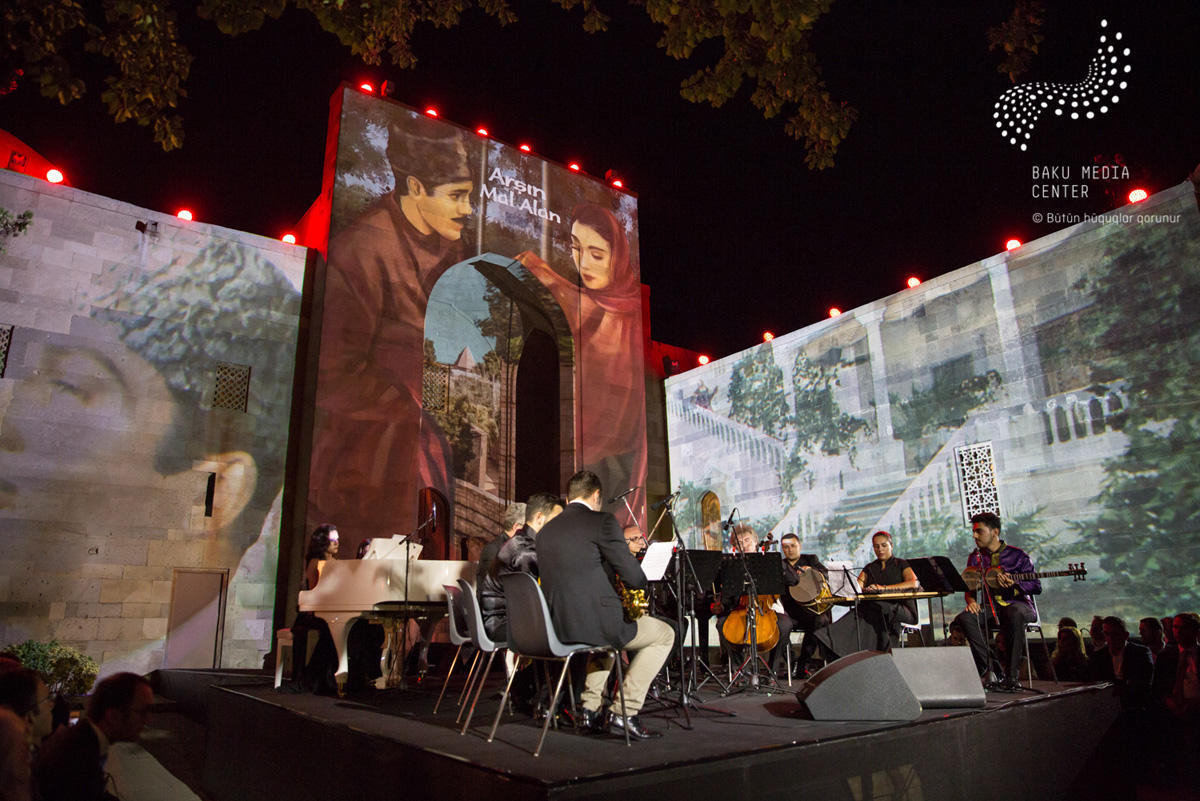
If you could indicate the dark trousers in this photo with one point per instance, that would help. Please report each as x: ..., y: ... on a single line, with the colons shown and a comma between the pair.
x: 885, y: 617
x: 1012, y: 620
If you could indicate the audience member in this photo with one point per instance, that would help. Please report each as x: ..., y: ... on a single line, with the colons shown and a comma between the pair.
x: 23, y: 692
x: 958, y: 635
x: 70, y: 766
x: 15, y: 780
x: 1126, y: 664
x: 1070, y: 659
x: 1150, y: 631
x: 1096, y: 635
x: 1064, y: 622
x: 1168, y: 631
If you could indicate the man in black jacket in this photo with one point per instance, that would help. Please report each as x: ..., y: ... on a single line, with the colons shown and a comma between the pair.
x: 578, y: 552
x: 70, y: 766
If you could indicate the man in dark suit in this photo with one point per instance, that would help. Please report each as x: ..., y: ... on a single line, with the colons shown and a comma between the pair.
x: 70, y: 765
x: 578, y: 552
x: 1126, y: 664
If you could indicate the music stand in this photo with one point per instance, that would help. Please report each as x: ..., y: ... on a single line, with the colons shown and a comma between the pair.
x: 706, y: 566
x: 757, y: 574
x: 938, y: 574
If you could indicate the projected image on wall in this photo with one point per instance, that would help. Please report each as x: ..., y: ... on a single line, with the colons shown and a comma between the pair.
x: 1055, y: 384
x: 480, y: 337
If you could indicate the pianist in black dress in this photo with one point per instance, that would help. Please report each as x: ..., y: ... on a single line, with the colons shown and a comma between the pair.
x: 887, y: 573
x: 317, y: 674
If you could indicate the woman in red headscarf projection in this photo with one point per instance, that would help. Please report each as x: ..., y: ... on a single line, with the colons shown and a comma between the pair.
x: 604, y: 310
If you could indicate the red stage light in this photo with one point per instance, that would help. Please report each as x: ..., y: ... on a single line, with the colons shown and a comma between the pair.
x: 54, y: 176
x: 834, y: 311
x: 768, y: 336
x: 289, y: 239
x: 573, y: 166
x: 703, y: 360
x: 481, y: 131
x: 1138, y: 195
x: 184, y: 215
x: 527, y: 148
x: 913, y: 282
x: 367, y: 87
x: 431, y: 112
x: 618, y: 183
x: 1012, y: 244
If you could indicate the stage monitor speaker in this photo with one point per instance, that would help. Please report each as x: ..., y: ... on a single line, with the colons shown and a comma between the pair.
x: 941, y: 677
x: 862, y: 686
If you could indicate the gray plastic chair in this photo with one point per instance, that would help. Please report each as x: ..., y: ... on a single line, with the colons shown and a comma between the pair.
x: 531, y: 634
x: 483, y: 643
x: 455, y: 616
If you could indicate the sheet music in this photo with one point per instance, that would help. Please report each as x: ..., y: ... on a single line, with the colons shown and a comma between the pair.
x: 658, y: 556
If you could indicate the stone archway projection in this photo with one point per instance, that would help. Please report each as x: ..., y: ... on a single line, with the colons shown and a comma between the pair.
x: 497, y: 349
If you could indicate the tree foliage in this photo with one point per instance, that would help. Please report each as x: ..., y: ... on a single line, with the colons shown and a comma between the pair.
x: 13, y: 226
x: 756, y: 392
x: 764, y: 45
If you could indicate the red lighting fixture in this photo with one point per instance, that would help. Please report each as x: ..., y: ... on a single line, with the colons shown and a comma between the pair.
x: 913, y: 282
x: 834, y: 311
x: 54, y: 176
x: 1138, y: 195
x: 288, y: 239
x: 369, y: 88
x: 527, y: 148
x: 768, y: 336
x: 1012, y: 244
x: 703, y: 359
x: 481, y: 131
x: 618, y: 183
x: 431, y: 112
x: 184, y: 214
x: 573, y: 166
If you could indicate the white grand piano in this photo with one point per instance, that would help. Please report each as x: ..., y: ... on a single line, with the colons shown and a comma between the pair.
x: 350, y: 589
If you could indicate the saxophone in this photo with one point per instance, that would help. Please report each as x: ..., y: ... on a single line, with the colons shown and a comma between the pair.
x: 634, y: 603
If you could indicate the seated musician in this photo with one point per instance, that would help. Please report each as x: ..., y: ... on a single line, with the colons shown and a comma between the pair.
x: 803, y: 617
x: 636, y: 540
x: 517, y: 555
x: 887, y: 573
x: 315, y: 673
x: 1007, y: 607
x: 576, y: 552
x: 731, y: 584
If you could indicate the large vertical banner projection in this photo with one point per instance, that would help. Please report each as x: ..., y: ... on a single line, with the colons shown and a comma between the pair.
x: 127, y: 459
x: 480, y: 332
x: 1070, y: 364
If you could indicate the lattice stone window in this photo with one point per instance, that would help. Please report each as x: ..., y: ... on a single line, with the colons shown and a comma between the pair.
x: 977, y: 479
x: 233, y: 386
x: 5, y: 340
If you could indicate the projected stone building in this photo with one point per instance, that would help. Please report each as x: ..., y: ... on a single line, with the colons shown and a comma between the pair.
x: 1055, y: 382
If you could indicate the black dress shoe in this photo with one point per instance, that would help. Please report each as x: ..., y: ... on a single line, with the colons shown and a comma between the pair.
x: 590, y: 721
x: 618, y: 725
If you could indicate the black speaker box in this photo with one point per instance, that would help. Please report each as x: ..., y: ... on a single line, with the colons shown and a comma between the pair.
x: 942, y: 677
x: 862, y: 686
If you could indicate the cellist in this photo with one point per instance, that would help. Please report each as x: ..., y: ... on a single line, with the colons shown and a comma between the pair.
x: 732, y: 603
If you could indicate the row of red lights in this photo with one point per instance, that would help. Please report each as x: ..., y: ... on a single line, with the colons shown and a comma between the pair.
x: 525, y: 147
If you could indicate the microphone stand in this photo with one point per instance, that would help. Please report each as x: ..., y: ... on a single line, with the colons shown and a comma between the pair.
x: 412, y: 536
x: 683, y: 563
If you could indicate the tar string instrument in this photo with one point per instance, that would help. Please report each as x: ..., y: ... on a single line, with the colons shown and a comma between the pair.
x: 976, y: 577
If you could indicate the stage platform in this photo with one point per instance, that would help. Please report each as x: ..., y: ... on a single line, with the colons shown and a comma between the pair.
x: 387, y: 744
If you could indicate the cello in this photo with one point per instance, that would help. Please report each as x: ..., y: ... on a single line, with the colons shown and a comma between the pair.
x: 736, y: 627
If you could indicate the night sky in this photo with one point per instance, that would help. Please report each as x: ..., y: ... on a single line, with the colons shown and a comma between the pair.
x: 737, y: 235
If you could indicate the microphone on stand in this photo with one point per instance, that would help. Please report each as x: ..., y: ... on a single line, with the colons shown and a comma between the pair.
x: 667, y: 500
x: 729, y: 523
x: 616, y: 498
